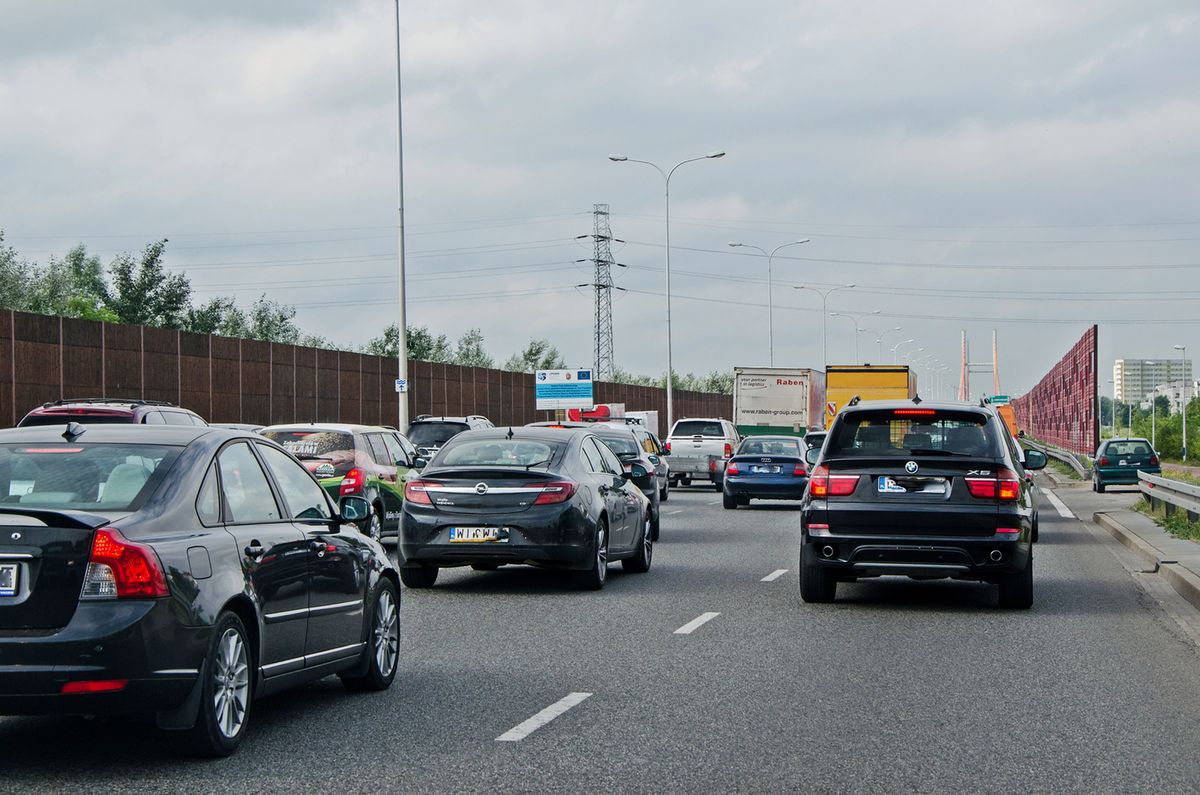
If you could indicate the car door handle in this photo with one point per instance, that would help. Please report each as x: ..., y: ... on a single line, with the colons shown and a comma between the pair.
x: 254, y: 549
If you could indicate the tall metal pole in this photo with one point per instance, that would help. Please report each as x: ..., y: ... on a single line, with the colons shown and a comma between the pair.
x: 770, y: 290
x: 1184, y: 393
x: 401, y: 320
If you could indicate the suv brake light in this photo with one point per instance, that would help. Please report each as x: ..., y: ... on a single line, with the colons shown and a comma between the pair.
x: 352, y: 483
x: 121, y: 569
x: 555, y: 492
x: 824, y: 484
x: 728, y: 449
x: 667, y: 446
x: 1005, y: 486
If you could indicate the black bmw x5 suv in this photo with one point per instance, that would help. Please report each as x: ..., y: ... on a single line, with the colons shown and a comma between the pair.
x: 922, y: 490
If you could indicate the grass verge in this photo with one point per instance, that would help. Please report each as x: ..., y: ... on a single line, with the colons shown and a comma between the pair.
x: 1062, y: 468
x: 1176, y: 524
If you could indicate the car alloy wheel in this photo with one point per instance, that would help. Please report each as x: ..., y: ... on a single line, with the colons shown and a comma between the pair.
x: 386, y: 633
x: 602, y: 553
x: 231, y: 683
x: 375, y: 526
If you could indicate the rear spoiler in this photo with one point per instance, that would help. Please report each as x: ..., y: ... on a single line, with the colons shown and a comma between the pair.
x: 73, y: 520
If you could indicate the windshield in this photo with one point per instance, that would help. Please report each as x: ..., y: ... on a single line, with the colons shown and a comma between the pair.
x: 434, y: 434
x: 82, y: 477
x: 697, y: 428
x: 498, y: 452
x: 912, y: 432
x: 313, y: 444
x: 621, y: 446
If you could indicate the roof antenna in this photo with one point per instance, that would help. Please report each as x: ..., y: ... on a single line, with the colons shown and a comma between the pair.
x: 916, y: 400
x: 510, y: 434
x: 74, y: 431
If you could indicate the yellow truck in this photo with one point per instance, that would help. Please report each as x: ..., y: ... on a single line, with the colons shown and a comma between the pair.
x: 868, y: 382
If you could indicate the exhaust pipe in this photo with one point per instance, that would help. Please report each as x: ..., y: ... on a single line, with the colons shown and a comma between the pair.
x: 827, y: 551
x: 996, y: 556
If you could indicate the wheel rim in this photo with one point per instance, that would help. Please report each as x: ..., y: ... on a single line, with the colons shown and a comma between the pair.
x: 231, y: 683
x: 647, y: 540
x: 375, y: 527
x: 387, y: 634
x: 602, y: 553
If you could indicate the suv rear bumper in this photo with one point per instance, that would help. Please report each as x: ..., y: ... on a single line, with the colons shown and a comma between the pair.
x: 965, y: 557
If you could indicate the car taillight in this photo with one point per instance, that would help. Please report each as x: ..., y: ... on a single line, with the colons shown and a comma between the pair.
x: 1153, y: 460
x: 728, y: 449
x: 732, y: 469
x: 667, y: 446
x: 799, y: 471
x: 121, y: 569
x: 94, y: 686
x: 1008, y: 531
x: 1103, y: 460
x: 417, y: 491
x: 1005, y: 486
x: 555, y: 492
x: 823, y: 484
x: 352, y: 483
x: 815, y: 529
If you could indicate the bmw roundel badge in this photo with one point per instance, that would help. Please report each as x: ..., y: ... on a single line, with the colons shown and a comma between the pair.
x: 911, y: 467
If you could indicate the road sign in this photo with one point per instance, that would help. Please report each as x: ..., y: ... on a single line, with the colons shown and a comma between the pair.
x: 563, y: 389
x: 998, y: 400
x: 401, y: 384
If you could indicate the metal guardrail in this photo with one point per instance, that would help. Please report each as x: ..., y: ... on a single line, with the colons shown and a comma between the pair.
x: 1171, y: 493
x: 1065, y: 456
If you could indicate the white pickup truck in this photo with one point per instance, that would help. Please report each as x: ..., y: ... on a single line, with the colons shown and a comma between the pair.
x: 699, y: 450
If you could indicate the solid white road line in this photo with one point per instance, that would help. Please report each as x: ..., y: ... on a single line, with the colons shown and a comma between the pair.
x: 1058, y: 504
x: 696, y: 623
x: 775, y: 575
x: 526, y: 728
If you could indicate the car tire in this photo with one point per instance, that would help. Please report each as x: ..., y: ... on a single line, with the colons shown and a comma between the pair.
x: 685, y: 482
x: 718, y: 485
x: 655, y: 523
x: 728, y: 501
x: 383, y: 641
x: 374, y: 528
x: 817, y: 585
x: 664, y: 492
x: 1098, y: 485
x: 418, y: 576
x: 640, y: 562
x: 1033, y: 536
x: 1016, y: 589
x: 592, y: 579
x: 226, y: 686
x: 743, y: 501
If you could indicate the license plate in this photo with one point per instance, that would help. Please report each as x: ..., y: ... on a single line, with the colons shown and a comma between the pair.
x: 889, y: 486
x: 765, y: 470
x: 8, y: 578
x: 478, y: 535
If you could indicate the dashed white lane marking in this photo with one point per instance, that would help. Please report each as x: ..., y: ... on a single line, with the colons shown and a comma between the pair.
x: 528, y: 727
x: 1058, y: 504
x: 671, y: 512
x: 775, y: 575
x: 696, y: 623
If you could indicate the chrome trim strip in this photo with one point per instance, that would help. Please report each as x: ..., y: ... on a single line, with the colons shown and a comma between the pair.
x: 471, y: 490
x: 338, y: 606
x: 265, y: 668
x: 285, y: 614
x: 177, y: 672
x: 15, y: 556
x: 338, y: 650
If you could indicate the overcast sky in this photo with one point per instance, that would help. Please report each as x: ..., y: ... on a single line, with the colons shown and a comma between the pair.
x: 1029, y: 167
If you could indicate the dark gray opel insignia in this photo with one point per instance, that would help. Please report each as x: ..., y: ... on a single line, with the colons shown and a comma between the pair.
x: 182, y: 572
x: 544, y: 496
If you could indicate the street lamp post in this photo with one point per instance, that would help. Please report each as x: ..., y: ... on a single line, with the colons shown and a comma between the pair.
x: 879, y: 335
x: 854, y: 318
x: 770, y: 291
x: 666, y: 175
x: 824, y: 298
x: 1184, y: 394
x: 1154, y: 418
x: 897, y: 345
x: 401, y: 319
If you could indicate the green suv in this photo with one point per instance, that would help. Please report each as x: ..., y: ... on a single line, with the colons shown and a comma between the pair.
x: 365, y: 461
x: 1118, y: 462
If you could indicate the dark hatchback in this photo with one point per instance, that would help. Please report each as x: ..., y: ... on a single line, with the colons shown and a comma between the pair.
x: 765, y: 467
x: 1118, y: 462
x: 542, y: 496
x: 182, y: 573
x: 922, y: 490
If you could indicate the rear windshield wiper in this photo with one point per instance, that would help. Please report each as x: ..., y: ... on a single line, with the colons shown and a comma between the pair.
x: 537, y: 464
x: 928, y: 451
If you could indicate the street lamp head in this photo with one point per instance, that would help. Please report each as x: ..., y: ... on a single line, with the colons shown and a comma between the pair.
x: 732, y: 244
x: 875, y: 312
x: 617, y: 158
x: 1181, y: 347
x: 851, y: 284
x: 714, y: 155
x: 805, y: 240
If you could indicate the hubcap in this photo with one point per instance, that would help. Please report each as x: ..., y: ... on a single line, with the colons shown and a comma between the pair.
x: 375, y: 527
x: 647, y: 540
x: 231, y: 683
x: 387, y: 634
x: 601, y: 553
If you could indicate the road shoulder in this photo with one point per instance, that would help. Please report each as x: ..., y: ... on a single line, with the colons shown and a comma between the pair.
x: 1177, y: 560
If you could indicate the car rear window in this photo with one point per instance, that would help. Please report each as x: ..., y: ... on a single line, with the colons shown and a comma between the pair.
x: 435, y: 434
x: 912, y: 431
x: 115, y: 477
x: 498, y: 452
x: 312, y: 444
x: 769, y: 447
x: 698, y: 428
x: 1129, y: 449
x: 82, y: 417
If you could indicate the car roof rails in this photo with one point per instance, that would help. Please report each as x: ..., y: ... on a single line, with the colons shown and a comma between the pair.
x: 109, y: 401
x: 854, y: 401
x: 420, y: 417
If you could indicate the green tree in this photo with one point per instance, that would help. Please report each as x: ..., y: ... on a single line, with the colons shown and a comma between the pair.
x: 213, y: 317
x: 141, y: 291
x: 539, y: 354
x: 469, y: 351
x: 14, y: 277
x: 423, y: 345
x: 271, y: 321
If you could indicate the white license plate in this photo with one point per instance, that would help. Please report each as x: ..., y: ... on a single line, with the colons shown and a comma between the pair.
x: 468, y: 535
x: 765, y: 470
x: 889, y: 486
x: 8, y: 578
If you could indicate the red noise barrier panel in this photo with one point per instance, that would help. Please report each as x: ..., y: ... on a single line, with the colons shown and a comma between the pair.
x: 1063, y: 408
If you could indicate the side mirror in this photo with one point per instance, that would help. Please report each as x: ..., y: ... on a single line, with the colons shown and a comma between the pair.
x: 353, y: 509
x: 1035, y: 459
x: 812, y: 455
x: 654, y: 460
x: 637, y: 473
x: 420, y: 462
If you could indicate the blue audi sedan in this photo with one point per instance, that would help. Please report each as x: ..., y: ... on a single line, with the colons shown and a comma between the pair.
x: 766, y: 468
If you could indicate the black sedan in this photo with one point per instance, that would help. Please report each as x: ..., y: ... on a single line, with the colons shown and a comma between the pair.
x: 765, y: 467
x: 543, y: 496
x: 921, y: 490
x: 181, y: 572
